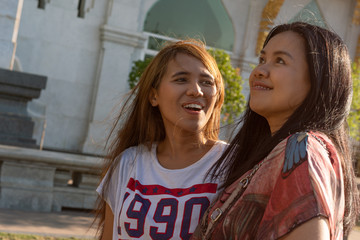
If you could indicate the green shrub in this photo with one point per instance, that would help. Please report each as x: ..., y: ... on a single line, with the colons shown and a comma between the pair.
x: 354, y: 116
x: 137, y: 69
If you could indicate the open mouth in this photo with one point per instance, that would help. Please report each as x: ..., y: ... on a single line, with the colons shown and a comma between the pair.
x: 260, y: 85
x: 193, y: 107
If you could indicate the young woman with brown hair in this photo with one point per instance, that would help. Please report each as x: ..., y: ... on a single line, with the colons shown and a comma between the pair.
x: 154, y: 185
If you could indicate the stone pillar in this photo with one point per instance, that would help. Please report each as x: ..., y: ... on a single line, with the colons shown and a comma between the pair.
x: 10, y: 13
x: 120, y: 46
x: 16, y: 89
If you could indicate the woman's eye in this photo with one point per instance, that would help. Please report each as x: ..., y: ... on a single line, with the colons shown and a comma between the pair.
x: 180, y: 80
x: 280, y: 60
x: 208, y: 82
x: 261, y: 60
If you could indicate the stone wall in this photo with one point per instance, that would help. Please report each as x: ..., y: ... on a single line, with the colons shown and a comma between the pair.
x: 47, y: 181
x: 56, y: 43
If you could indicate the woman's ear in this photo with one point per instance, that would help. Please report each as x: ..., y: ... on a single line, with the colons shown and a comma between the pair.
x: 153, y: 97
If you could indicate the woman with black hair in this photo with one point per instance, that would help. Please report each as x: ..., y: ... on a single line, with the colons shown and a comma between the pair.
x: 288, y: 171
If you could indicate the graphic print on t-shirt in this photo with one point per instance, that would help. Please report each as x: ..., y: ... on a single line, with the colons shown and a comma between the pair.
x: 157, y: 212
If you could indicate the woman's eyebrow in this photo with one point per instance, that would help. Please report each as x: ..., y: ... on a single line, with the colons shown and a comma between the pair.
x: 207, y: 75
x: 180, y: 73
x: 279, y: 52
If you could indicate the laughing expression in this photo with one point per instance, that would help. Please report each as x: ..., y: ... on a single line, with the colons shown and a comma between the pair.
x: 186, y: 95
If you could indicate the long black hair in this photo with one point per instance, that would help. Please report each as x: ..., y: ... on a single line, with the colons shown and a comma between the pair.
x: 324, y: 109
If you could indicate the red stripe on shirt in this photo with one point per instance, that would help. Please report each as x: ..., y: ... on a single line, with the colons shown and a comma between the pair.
x: 177, y: 192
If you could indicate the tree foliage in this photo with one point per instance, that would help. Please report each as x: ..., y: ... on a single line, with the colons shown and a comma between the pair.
x: 354, y: 116
x: 234, y: 102
x: 137, y: 69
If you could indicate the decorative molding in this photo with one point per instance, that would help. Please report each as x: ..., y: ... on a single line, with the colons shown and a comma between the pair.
x: 122, y: 36
x: 90, y: 6
x: 356, y: 16
x: 269, y: 13
x: 109, y: 10
x: 64, y: 161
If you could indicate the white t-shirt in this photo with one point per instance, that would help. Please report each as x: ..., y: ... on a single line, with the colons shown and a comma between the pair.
x: 152, y: 202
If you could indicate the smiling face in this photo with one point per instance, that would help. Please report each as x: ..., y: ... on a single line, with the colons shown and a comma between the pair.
x: 186, y: 95
x: 281, y: 81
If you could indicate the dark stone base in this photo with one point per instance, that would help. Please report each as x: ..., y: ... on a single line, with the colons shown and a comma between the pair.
x: 20, y: 126
x: 17, y: 141
x: 16, y: 90
x: 16, y: 130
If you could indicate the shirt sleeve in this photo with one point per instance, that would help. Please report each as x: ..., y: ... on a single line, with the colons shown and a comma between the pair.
x: 308, y: 185
x: 112, y: 185
x: 108, y: 188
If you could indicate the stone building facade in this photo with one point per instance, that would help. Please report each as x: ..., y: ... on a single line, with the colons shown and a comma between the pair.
x: 86, y: 49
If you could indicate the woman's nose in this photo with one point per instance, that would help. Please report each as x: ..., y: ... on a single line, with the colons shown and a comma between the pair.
x: 195, y: 90
x: 261, y: 71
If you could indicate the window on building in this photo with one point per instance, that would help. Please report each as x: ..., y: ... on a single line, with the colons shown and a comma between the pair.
x: 310, y: 14
x: 41, y: 4
x: 203, y: 19
x: 81, y: 9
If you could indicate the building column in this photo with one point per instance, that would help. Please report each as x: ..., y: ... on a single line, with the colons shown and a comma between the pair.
x: 10, y: 13
x: 120, y: 47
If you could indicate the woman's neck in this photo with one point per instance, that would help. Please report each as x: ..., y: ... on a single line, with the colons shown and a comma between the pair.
x: 180, y: 152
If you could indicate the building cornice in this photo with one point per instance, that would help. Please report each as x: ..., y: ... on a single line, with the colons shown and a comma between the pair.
x: 122, y: 36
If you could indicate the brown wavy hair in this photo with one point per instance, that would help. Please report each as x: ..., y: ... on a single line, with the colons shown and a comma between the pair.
x: 140, y: 123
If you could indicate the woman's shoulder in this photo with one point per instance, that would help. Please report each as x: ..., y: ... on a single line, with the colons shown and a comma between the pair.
x: 218, y: 148
x: 141, y: 148
x: 293, y: 143
x: 305, y: 138
x: 305, y: 141
x: 131, y: 153
x: 307, y: 146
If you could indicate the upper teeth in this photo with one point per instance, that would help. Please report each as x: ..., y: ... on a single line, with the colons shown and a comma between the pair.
x: 197, y: 106
x: 262, y: 87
